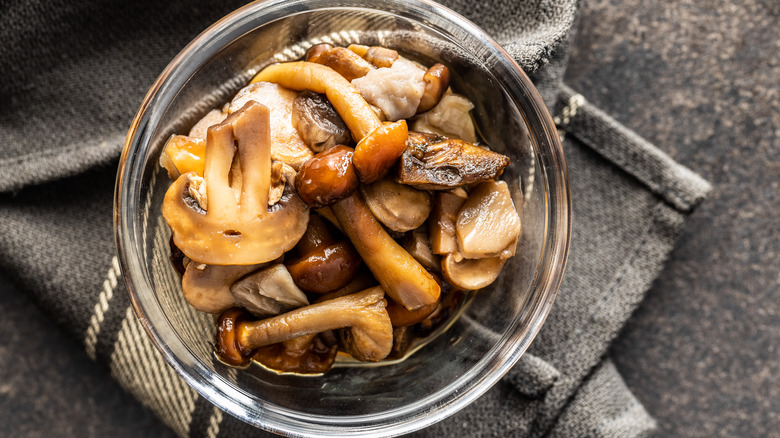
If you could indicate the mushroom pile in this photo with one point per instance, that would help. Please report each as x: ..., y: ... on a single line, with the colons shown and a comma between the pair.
x: 309, y: 217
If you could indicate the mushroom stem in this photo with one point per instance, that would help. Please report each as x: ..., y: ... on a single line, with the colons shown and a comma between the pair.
x: 364, y: 313
x: 346, y: 99
x: 402, y: 277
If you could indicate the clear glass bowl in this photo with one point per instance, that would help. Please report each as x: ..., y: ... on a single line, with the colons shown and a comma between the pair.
x: 498, y: 324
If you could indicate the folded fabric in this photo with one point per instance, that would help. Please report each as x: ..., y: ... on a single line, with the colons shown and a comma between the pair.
x: 72, y: 82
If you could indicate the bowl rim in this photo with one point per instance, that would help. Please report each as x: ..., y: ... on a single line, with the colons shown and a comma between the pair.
x: 218, y: 391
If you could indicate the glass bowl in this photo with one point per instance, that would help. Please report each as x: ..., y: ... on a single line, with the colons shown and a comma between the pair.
x: 500, y: 321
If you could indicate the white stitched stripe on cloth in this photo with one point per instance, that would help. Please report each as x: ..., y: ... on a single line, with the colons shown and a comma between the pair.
x: 139, y: 367
x: 569, y: 111
x: 214, y: 421
x: 104, y: 299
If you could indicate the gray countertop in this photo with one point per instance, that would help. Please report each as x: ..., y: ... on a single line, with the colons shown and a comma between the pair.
x: 701, y: 80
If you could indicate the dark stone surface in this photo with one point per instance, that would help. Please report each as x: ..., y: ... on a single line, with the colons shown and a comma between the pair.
x: 697, y: 78
x: 700, y: 79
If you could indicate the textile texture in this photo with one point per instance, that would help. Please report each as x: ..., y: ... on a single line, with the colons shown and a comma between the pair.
x: 73, y: 79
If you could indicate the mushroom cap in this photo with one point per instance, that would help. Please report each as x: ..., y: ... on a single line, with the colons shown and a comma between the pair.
x: 238, y: 228
x: 398, y: 206
x: 207, y: 287
x: 471, y: 274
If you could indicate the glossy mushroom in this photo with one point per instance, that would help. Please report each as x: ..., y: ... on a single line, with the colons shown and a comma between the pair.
x: 402, y: 277
x: 399, y: 207
x: 237, y: 228
x: 363, y: 314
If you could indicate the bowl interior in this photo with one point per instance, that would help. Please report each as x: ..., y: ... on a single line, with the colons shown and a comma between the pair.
x: 494, y: 329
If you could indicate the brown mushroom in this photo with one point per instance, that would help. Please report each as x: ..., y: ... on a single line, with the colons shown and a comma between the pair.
x: 207, y: 287
x: 404, y: 279
x: 488, y: 224
x: 446, y: 205
x: 399, y: 207
x: 370, y: 332
x: 318, y: 124
x: 282, y: 178
x: 327, y: 177
x: 327, y: 268
x: 400, y: 316
x: 377, y: 152
x: 437, y: 80
x: 237, y: 228
x: 438, y: 163
x: 227, y: 346
x: 471, y: 274
x: 268, y: 292
x: 346, y: 62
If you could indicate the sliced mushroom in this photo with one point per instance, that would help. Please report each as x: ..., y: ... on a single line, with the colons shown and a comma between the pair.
x: 238, y: 228
x: 398, y: 206
x: 418, y: 245
x: 451, y: 117
x: 182, y: 154
x: 213, y: 117
x: 207, y: 287
x: 346, y: 62
x: 309, y: 354
x: 268, y: 292
x: 286, y: 144
x: 370, y: 332
x: 446, y: 206
x: 471, y: 274
x: 404, y: 279
x: 437, y: 80
x: 438, y: 163
x: 487, y: 223
x: 317, y: 122
x: 396, y: 90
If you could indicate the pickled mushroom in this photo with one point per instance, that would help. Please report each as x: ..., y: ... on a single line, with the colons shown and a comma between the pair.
x: 488, y: 223
x: 268, y: 292
x: 207, y: 287
x: 286, y: 144
x: 438, y: 163
x: 450, y: 118
x: 238, y: 228
x: 396, y: 90
x: 318, y: 124
x: 398, y: 206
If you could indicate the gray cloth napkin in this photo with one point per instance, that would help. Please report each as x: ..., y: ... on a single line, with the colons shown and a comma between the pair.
x: 72, y: 81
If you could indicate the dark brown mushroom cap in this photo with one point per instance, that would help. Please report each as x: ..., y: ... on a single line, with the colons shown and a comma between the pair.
x: 438, y: 163
x: 227, y: 347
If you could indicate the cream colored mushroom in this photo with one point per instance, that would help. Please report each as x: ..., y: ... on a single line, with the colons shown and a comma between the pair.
x: 398, y: 206
x: 418, y: 245
x: 268, y: 292
x: 207, y: 287
x: 488, y: 224
x: 471, y: 274
x: 370, y: 333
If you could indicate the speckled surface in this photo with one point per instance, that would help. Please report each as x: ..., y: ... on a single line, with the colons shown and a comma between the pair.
x: 698, y: 78
x: 701, y: 80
